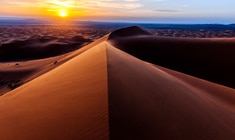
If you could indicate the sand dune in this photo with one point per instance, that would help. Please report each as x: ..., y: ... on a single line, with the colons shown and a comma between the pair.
x: 20, y: 63
x: 38, y: 47
x: 210, y: 59
x: 128, y: 32
x: 69, y: 102
x: 14, y: 74
x: 152, y: 103
x: 102, y: 92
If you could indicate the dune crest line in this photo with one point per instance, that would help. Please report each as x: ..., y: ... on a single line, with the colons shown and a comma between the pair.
x: 122, y: 87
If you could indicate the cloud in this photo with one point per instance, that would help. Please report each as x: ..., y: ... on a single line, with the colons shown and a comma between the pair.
x: 81, y: 4
x: 23, y: 2
x: 167, y: 11
x: 110, y: 4
x: 99, y: 8
x: 159, y: 0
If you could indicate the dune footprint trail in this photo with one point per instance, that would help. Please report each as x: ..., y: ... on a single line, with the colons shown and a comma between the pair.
x: 106, y: 93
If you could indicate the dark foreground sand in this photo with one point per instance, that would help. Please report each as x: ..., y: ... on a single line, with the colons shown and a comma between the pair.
x: 102, y: 92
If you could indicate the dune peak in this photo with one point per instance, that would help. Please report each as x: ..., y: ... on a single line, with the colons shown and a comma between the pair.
x: 105, y: 91
x: 128, y: 32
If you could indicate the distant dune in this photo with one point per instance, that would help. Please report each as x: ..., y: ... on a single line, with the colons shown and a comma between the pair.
x: 128, y: 85
x: 38, y: 47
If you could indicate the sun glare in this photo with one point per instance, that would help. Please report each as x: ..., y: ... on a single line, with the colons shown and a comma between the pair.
x: 63, y: 13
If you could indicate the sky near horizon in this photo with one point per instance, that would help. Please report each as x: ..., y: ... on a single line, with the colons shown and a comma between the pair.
x: 198, y: 11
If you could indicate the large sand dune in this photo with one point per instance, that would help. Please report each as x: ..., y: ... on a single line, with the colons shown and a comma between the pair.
x: 211, y: 59
x: 20, y: 71
x: 70, y: 102
x: 102, y: 92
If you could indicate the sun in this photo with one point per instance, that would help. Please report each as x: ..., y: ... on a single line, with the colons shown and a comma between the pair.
x: 63, y: 13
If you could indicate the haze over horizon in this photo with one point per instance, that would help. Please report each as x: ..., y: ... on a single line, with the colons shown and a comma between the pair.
x: 168, y: 11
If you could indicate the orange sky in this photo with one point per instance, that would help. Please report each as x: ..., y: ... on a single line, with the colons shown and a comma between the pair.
x: 72, y: 8
x: 152, y: 10
x: 43, y: 8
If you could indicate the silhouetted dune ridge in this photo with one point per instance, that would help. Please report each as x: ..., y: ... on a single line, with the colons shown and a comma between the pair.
x: 128, y: 32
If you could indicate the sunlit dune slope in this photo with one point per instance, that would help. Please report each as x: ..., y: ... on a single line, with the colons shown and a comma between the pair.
x: 102, y: 92
x: 16, y: 73
x: 69, y: 102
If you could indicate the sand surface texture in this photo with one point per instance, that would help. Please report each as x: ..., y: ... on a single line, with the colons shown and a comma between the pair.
x: 128, y: 85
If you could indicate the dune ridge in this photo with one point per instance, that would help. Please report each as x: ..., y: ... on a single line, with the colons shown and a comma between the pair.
x: 69, y: 102
x: 104, y: 91
x: 152, y: 103
x: 11, y: 75
x: 210, y: 59
x: 128, y: 32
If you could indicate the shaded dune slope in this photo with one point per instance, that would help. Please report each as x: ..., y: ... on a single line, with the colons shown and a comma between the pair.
x: 152, y: 103
x: 210, y: 59
x: 12, y: 79
x: 15, y: 74
x: 102, y: 93
x: 39, y: 47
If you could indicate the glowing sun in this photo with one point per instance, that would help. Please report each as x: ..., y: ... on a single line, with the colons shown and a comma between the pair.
x: 63, y: 13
